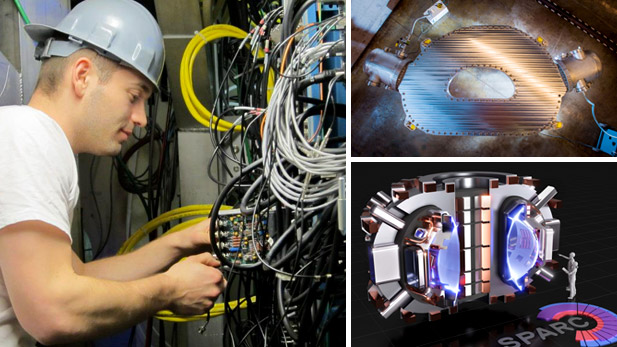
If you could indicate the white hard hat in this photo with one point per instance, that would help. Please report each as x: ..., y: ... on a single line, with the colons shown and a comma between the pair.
x: 121, y: 30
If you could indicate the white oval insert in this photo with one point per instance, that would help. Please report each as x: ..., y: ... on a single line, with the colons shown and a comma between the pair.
x: 481, y: 83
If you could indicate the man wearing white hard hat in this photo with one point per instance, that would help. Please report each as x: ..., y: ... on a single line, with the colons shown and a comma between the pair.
x: 99, y: 66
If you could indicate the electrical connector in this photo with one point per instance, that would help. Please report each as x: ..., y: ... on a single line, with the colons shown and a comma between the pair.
x: 436, y: 12
x: 607, y: 142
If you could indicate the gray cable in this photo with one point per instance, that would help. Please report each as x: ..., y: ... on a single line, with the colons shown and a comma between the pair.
x: 284, y: 141
x: 414, y: 25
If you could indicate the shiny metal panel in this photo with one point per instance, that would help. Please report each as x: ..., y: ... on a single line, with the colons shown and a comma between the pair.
x: 579, y: 65
x: 384, y: 68
x: 533, y: 107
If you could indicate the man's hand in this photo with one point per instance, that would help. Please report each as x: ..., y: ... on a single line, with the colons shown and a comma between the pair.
x: 155, y: 257
x: 198, y: 283
x: 194, y: 239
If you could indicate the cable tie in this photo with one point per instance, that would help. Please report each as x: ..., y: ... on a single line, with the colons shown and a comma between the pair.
x: 284, y: 277
x: 201, y: 35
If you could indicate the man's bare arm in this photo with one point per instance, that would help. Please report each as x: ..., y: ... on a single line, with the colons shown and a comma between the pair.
x: 55, y: 304
x: 150, y: 259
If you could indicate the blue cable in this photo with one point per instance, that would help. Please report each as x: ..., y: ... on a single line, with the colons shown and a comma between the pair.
x: 593, y: 113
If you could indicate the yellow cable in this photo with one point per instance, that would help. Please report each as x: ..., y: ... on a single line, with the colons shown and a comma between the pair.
x: 195, y: 107
x: 184, y: 225
x: 153, y: 225
x: 217, y: 310
x: 182, y: 212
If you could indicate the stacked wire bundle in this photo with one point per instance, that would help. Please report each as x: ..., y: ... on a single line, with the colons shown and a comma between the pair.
x: 284, y: 142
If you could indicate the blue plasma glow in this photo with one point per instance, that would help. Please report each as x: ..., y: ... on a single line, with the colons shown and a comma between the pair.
x: 455, y: 290
x: 521, y: 247
x: 420, y: 233
x: 449, y: 263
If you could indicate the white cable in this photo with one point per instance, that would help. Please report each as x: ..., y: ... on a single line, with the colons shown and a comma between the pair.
x: 284, y: 143
x: 414, y: 25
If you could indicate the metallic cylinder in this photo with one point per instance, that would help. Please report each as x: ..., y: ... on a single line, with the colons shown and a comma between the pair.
x: 578, y: 68
x: 341, y: 205
x: 385, y: 69
x: 546, y: 274
x: 395, y: 305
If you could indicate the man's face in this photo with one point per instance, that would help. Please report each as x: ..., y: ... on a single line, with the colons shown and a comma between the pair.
x: 113, y: 110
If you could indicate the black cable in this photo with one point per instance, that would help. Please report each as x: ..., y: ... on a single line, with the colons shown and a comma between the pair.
x: 328, y: 285
x: 161, y: 333
x: 111, y: 211
x: 130, y: 182
x: 96, y: 204
x: 287, y: 17
x: 321, y: 77
x: 152, y: 198
x: 279, y: 298
x: 228, y: 134
x: 327, y: 325
x: 251, y: 329
x: 309, y: 296
x: 244, y: 208
x: 217, y: 147
x: 174, y: 335
x: 316, y: 230
x: 330, y: 96
x: 339, y: 111
x: 214, y: 214
x: 569, y: 140
x: 229, y: 316
x: 220, y: 90
x: 121, y: 164
x: 300, y: 12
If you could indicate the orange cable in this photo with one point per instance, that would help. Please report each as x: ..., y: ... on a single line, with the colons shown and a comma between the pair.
x: 285, y: 54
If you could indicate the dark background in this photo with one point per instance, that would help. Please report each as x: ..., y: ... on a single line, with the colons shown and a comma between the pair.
x: 589, y: 195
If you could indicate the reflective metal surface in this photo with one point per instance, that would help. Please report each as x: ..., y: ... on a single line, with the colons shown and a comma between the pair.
x: 579, y: 68
x: 533, y: 107
x: 384, y: 68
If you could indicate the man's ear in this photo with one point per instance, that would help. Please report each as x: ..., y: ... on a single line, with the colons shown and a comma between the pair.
x: 83, y: 74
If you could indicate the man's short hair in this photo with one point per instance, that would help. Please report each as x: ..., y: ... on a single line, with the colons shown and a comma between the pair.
x: 52, y: 69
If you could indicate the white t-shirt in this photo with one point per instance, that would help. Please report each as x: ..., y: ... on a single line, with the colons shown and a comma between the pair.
x: 38, y: 181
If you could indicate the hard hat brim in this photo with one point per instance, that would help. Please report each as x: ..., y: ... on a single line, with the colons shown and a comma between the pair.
x: 39, y: 32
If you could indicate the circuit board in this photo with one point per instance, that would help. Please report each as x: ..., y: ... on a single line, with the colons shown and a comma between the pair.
x: 235, y: 236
